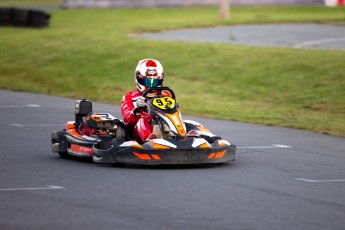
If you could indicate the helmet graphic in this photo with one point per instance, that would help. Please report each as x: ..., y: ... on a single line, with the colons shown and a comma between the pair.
x: 148, y: 73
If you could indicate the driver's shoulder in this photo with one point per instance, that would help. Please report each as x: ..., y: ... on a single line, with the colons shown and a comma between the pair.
x: 134, y: 93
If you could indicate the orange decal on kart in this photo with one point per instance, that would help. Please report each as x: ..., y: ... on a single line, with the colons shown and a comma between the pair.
x: 70, y: 125
x: 143, y: 156
x: 158, y: 146
x: 220, y: 154
x: 82, y: 149
x: 176, y: 120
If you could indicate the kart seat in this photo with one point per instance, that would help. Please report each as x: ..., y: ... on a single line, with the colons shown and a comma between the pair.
x: 82, y: 108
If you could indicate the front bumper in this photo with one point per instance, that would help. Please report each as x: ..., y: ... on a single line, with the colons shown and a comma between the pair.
x: 132, y: 155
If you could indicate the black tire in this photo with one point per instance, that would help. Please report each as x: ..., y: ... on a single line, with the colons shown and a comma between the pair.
x: 60, y: 139
x: 5, y: 16
x: 38, y: 18
x: 64, y: 155
x: 105, y: 142
x: 116, y: 143
x: 211, y: 140
x: 20, y: 17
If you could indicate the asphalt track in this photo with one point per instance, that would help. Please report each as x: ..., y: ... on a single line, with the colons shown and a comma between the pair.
x: 306, y: 35
x: 283, y: 179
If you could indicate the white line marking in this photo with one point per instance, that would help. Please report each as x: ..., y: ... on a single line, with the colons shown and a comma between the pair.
x: 39, y: 188
x: 20, y: 106
x: 21, y: 125
x: 318, y: 181
x: 320, y: 41
x: 33, y: 105
x: 275, y: 146
x: 282, y: 146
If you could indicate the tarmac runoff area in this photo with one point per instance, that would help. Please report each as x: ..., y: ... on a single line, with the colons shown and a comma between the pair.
x: 319, y: 36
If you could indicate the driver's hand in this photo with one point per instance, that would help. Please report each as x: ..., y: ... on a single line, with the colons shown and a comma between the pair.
x: 140, y: 102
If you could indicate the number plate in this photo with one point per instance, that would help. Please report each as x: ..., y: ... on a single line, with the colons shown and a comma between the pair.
x: 164, y: 102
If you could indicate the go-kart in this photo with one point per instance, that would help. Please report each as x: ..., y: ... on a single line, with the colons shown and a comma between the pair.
x: 106, y: 139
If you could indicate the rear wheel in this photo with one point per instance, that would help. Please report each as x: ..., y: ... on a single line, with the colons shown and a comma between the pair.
x: 59, y: 143
x: 116, y: 143
x: 106, y: 143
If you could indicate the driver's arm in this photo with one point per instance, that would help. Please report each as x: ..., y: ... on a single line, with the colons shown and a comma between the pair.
x: 127, y: 108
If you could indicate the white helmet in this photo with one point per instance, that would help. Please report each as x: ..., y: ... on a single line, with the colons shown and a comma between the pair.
x: 149, y: 73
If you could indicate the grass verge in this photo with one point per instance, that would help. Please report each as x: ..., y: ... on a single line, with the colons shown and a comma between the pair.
x: 86, y: 53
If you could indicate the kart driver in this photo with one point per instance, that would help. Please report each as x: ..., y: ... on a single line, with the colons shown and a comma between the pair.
x: 148, y: 73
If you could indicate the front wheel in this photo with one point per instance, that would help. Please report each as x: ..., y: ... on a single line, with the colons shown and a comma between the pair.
x: 63, y: 155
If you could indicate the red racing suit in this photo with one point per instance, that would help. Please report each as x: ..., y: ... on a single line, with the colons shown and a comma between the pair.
x: 140, y: 122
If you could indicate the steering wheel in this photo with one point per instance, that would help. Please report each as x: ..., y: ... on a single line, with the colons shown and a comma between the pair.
x: 159, y: 90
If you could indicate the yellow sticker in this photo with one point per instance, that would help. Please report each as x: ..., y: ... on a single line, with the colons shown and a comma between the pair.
x: 164, y: 102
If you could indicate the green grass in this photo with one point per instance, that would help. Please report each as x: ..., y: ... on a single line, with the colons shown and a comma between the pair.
x: 86, y: 53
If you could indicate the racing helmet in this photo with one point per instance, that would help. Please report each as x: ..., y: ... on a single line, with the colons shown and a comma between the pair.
x: 148, y: 73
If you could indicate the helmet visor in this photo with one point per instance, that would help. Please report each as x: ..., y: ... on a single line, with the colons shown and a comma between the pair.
x: 149, y: 81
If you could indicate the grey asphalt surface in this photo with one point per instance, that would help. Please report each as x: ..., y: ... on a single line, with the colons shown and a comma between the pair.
x: 320, y: 36
x: 283, y: 179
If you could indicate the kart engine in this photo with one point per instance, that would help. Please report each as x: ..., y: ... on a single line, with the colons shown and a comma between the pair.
x: 91, y: 123
x: 99, y: 123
